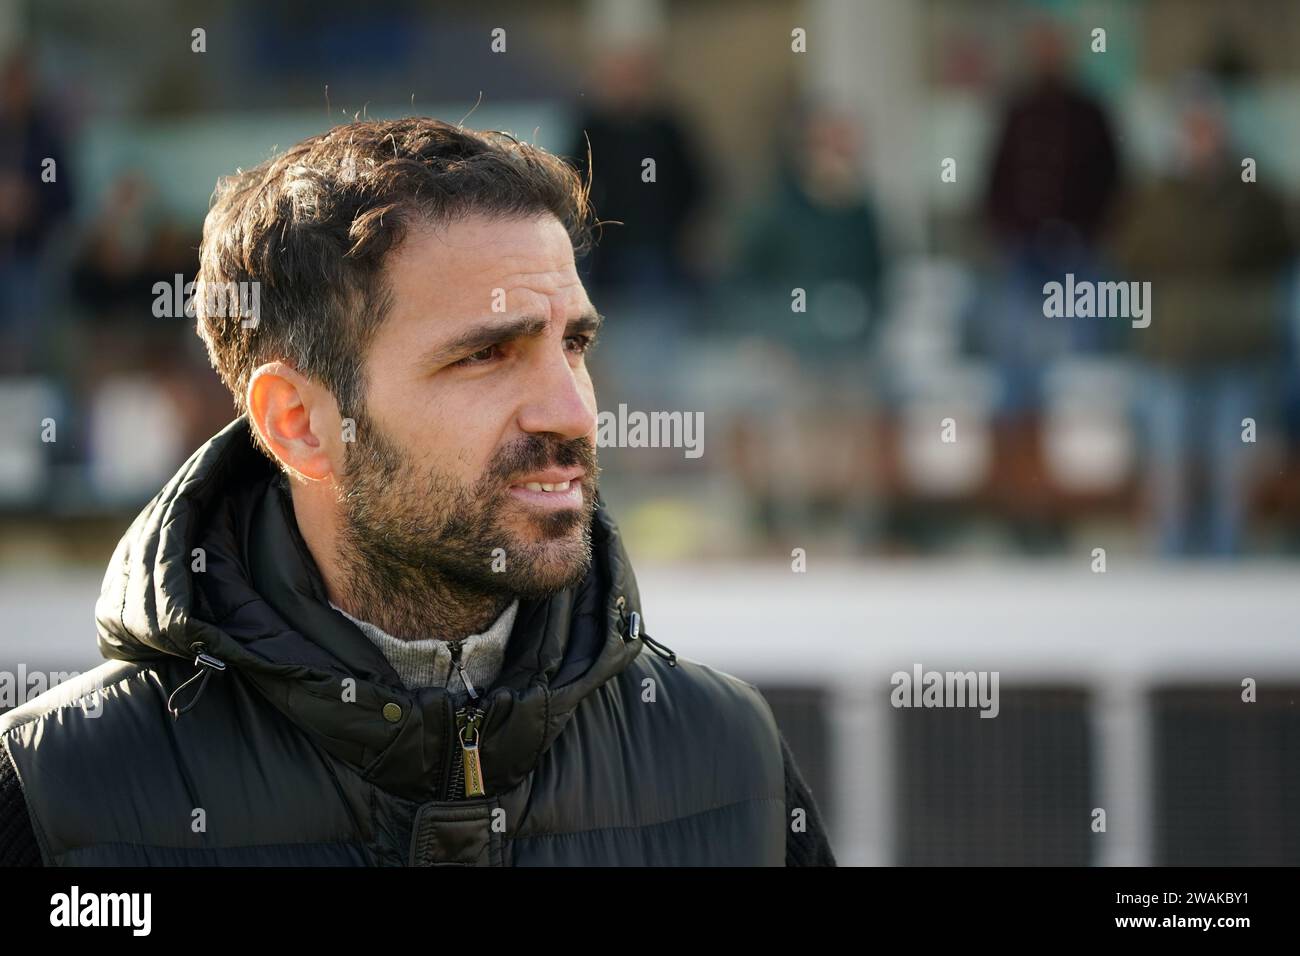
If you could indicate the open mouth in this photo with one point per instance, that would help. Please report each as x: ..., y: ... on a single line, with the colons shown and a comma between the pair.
x: 546, y: 486
x: 556, y: 488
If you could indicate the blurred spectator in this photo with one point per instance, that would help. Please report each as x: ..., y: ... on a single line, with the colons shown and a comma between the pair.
x: 817, y: 231
x: 128, y: 354
x: 1055, y: 172
x: 129, y: 246
x: 801, y: 461
x: 641, y: 267
x: 627, y: 122
x: 1213, y: 247
x: 31, y: 209
x: 1055, y: 169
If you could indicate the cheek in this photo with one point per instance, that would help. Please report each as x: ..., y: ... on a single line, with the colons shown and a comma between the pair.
x: 455, y: 437
x: 444, y: 431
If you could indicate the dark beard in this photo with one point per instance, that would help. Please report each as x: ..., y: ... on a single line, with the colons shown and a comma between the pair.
x: 418, y: 551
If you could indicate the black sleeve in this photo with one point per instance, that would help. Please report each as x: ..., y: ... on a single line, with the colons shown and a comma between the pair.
x: 17, y: 838
x: 811, y: 847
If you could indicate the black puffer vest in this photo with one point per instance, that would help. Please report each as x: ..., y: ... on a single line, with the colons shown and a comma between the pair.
x: 298, y: 745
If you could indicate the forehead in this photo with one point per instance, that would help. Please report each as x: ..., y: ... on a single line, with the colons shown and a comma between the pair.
x: 463, y: 271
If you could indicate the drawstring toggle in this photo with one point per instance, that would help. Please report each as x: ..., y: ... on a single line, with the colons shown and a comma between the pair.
x: 207, y: 664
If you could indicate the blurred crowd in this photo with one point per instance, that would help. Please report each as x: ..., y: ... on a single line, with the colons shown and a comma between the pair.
x: 1182, y: 431
x: 827, y: 352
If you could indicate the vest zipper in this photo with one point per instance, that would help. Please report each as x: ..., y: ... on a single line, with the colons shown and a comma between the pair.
x: 467, y: 772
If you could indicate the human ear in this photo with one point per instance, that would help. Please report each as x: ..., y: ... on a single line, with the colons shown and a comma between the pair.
x: 292, y: 416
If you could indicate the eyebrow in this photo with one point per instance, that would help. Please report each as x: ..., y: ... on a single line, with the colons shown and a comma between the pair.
x: 497, y: 333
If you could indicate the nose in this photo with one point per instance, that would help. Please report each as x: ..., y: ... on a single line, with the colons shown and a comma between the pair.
x: 560, y: 401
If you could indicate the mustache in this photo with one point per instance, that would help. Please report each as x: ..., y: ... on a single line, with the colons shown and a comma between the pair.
x: 536, y: 452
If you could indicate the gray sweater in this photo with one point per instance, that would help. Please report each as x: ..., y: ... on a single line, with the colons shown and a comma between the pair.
x: 428, y: 663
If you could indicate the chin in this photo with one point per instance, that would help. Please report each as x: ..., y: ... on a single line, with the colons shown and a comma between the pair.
x: 553, y: 565
x: 555, y: 528
x: 548, y: 582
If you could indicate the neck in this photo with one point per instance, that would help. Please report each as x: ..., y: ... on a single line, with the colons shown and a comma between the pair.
x: 408, y: 603
x: 414, y: 606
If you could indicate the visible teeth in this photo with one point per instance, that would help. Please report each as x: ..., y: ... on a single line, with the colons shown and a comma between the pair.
x: 545, y: 486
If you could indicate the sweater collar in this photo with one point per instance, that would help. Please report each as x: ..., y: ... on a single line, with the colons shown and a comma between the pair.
x: 428, y: 662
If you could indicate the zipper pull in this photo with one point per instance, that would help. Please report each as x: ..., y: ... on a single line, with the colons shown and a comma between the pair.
x: 467, y: 722
x: 454, y: 647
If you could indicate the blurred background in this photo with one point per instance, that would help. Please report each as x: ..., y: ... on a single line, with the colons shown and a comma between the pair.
x: 917, y: 170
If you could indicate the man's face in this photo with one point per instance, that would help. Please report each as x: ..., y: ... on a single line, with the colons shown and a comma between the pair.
x: 475, y: 452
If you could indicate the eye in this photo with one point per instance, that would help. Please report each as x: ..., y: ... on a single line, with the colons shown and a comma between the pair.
x: 481, y: 357
x: 581, y: 343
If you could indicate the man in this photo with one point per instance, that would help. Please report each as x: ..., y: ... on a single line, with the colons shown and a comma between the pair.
x: 1054, y: 176
x: 382, y: 618
x: 33, y: 208
x: 1216, y: 250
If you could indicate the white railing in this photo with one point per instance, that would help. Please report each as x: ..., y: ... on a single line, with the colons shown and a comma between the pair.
x: 847, y: 627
